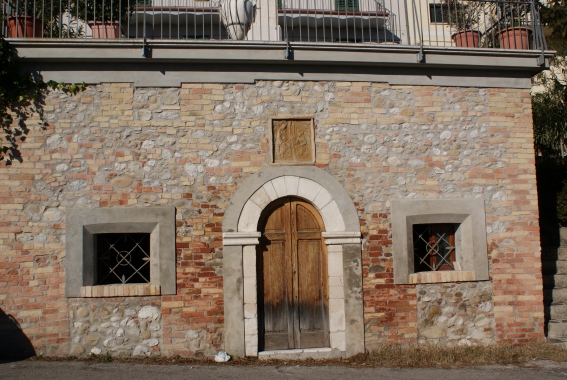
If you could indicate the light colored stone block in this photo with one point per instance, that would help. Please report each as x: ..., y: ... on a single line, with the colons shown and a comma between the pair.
x: 240, y: 238
x: 334, y: 248
x: 322, y: 199
x: 249, y: 218
x: 308, y: 189
x: 249, y: 261
x: 250, y: 310
x: 251, y: 327
x: 291, y: 184
x: 279, y: 186
x: 338, y: 340
x: 336, y: 315
x: 250, y: 290
x: 252, y: 349
x: 335, y: 264
x: 269, y: 187
x: 251, y: 345
x: 332, y: 217
x: 261, y: 198
x: 336, y: 292
x: 336, y: 281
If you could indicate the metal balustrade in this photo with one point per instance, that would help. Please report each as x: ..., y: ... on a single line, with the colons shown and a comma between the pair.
x: 444, y: 23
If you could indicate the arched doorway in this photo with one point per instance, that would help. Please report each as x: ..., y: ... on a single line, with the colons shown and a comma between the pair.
x: 293, y: 300
x: 341, y: 236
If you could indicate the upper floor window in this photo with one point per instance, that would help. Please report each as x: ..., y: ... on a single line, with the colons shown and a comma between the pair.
x: 346, y: 5
x: 438, y: 13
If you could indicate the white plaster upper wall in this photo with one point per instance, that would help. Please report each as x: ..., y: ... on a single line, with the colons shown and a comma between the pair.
x: 292, y: 186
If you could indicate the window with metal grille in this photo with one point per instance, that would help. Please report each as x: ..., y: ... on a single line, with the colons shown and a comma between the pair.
x: 434, y: 247
x: 122, y: 258
x: 346, y: 5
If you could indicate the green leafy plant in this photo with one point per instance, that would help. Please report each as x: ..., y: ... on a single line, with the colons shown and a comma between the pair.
x: 102, y: 10
x: 20, y: 96
x: 461, y: 15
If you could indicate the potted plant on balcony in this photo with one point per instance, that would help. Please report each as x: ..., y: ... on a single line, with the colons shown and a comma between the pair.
x: 104, y: 17
x: 22, y: 19
x: 34, y: 18
x: 512, y: 28
x: 463, y: 20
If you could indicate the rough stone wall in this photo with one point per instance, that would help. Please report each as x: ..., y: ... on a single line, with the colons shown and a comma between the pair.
x: 116, y: 146
x: 120, y: 327
x: 455, y: 313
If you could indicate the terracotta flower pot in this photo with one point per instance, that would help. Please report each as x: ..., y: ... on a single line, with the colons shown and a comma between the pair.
x: 517, y: 37
x: 23, y: 26
x: 467, y: 38
x: 105, y: 30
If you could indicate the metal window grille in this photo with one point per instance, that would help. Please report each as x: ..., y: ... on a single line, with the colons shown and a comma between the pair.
x: 434, y: 247
x: 123, y: 258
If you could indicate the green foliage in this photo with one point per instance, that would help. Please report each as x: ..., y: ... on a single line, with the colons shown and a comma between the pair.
x: 461, y: 16
x: 46, y: 10
x: 19, y: 95
x: 562, y: 205
x: 554, y: 15
x: 550, y: 111
x: 116, y: 10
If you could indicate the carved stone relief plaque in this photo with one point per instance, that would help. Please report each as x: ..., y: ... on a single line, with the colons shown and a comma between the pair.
x: 293, y: 141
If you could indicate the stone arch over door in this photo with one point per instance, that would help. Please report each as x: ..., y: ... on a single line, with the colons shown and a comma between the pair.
x: 342, y: 237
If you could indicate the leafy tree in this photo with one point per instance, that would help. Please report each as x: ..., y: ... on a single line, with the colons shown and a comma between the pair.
x: 549, y: 100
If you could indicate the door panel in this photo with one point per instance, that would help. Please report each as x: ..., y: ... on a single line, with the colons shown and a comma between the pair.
x: 293, y: 295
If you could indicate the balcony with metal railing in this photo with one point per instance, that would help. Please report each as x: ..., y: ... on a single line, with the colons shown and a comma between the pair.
x: 151, y: 42
x: 492, y: 24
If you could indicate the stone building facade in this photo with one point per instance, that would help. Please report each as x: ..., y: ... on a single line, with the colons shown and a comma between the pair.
x: 193, y: 166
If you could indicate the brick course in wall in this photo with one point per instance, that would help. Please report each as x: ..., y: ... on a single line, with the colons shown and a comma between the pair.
x: 114, y: 145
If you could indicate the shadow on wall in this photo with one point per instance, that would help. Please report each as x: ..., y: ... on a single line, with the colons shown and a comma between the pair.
x: 14, y: 344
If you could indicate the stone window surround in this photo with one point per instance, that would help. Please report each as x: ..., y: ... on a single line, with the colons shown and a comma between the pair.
x: 83, y: 223
x: 342, y: 236
x: 470, y: 238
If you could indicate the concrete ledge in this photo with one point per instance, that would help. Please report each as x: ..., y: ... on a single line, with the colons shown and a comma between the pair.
x: 95, y: 61
x: 302, y: 353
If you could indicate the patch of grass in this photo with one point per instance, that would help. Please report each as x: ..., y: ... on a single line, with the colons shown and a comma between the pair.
x: 391, y: 356
x: 461, y: 356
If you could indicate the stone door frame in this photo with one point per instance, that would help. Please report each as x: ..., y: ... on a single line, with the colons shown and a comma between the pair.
x: 342, y: 236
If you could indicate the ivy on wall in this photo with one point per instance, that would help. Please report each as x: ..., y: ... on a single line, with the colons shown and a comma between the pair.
x: 21, y: 95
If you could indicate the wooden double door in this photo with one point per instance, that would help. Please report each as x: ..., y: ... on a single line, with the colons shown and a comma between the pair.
x: 292, y: 277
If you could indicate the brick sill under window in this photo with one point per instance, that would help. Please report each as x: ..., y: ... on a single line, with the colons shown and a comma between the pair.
x: 119, y: 290
x: 441, y: 276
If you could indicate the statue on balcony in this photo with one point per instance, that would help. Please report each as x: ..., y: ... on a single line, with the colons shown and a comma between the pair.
x: 237, y: 17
